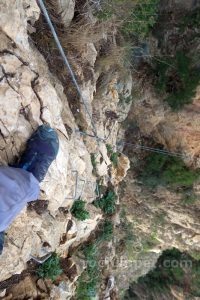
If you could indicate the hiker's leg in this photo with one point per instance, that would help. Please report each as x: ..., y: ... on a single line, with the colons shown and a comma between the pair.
x: 20, y: 184
x: 17, y: 188
x: 2, y: 234
x: 41, y: 150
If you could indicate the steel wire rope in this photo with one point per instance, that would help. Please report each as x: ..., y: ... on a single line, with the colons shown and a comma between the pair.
x: 73, y: 77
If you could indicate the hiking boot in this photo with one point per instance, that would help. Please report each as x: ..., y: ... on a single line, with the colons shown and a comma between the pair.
x: 42, y: 149
x: 2, y: 236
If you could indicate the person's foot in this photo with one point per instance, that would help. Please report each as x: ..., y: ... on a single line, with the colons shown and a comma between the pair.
x: 42, y: 149
x: 2, y: 236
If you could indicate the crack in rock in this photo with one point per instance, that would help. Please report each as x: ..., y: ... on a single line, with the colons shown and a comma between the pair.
x: 7, y: 75
x: 24, y: 111
x: 34, y: 83
x: 5, y: 129
x: 5, y: 51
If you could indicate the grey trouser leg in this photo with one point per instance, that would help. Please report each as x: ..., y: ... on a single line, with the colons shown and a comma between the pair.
x: 2, y: 235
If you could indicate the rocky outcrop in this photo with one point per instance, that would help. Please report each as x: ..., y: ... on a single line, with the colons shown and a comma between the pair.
x: 66, y: 10
x: 31, y: 96
x: 28, y: 100
x: 178, y: 132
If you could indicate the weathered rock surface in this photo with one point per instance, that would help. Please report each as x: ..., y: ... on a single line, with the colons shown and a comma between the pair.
x: 159, y: 221
x: 178, y: 132
x: 29, y: 97
x: 119, y: 172
x: 66, y: 9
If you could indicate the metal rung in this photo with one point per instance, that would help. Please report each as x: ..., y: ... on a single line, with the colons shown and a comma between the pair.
x: 75, y: 190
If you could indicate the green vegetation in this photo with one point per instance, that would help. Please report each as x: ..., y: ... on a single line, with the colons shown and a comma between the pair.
x: 159, y: 218
x: 109, y: 149
x: 105, y: 14
x: 195, y: 255
x: 176, y: 77
x: 136, y: 17
x: 127, y: 228
x: 191, y: 20
x: 117, y: 56
x: 106, y: 232
x: 50, y: 268
x: 126, y: 225
x: 161, y: 277
x: 114, y: 159
x: 172, y: 269
x: 86, y: 290
x: 107, y: 203
x: 141, y: 19
x: 149, y: 242
x: 112, y: 155
x: 89, y: 281
x: 189, y: 198
x: 78, y: 210
x: 93, y: 157
x: 166, y: 170
x: 131, y: 241
x: 126, y: 100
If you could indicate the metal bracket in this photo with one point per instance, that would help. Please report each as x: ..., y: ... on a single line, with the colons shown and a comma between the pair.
x: 42, y: 259
x: 85, y: 182
x: 75, y: 190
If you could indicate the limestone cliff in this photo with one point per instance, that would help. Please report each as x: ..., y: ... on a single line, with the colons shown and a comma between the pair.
x: 35, y: 89
x: 31, y: 96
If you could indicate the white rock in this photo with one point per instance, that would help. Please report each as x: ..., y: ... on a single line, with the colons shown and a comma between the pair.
x: 66, y: 7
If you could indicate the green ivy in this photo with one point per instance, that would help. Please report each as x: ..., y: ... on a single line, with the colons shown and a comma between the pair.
x: 113, y: 155
x: 135, y: 18
x: 191, y: 20
x: 50, y: 268
x: 170, y: 271
x: 93, y: 157
x: 78, y: 210
x: 106, y: 232
x: 167, y: 170
x: 107, y: 203
x: 142, y: 19
x: 178, y: 79
x: 189, y: 199
x: 89, y: 280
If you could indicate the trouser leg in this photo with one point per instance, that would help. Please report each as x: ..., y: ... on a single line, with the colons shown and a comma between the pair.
x: 2, y: 236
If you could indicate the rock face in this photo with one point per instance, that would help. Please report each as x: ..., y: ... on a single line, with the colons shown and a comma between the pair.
x: 31, y: 96
x: 119, y: 172
x: 173, y: 130
x: 28, y: 99
x: 66, y: 9
x: 157, y: 221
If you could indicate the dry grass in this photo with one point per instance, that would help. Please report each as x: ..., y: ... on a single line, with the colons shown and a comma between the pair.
x: 54, y: 11
x: 81, y: 33
x: 116, y: 57
x: 119, y: 7
x: 74, y: 40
